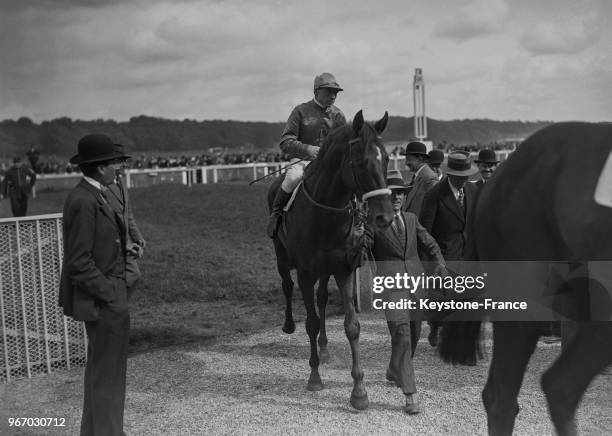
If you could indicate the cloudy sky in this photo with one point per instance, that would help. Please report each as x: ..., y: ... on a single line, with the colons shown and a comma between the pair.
x: 255, y: 60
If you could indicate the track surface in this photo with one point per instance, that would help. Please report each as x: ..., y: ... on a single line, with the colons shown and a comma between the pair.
x: 256, y: 385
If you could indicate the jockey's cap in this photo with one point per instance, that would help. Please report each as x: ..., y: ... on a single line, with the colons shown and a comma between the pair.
x: 326, y: 80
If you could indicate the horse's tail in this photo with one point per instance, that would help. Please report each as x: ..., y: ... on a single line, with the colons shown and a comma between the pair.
x: 460, y: 342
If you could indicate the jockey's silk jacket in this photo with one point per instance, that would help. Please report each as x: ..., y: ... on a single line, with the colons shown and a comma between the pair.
x: 307, y: 125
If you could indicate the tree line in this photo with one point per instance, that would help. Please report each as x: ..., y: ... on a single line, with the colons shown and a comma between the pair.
x: 145, y: 134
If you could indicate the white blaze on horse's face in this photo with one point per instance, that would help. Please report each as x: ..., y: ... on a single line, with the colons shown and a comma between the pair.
x: 378, y: 155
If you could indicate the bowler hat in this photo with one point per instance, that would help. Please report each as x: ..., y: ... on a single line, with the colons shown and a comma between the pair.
x: 96, y: 148
x: 486, y: 155
x: 436, y: 157
x: 416, y: 148
x: 119, y: 149
x: 460, y: 165
x: 396, y: 182
x: 326, y: 80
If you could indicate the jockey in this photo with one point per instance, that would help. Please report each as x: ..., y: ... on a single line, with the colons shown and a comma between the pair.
x: 306, y: 127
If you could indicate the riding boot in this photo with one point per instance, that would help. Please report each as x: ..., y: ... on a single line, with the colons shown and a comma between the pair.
x: 280, y: 200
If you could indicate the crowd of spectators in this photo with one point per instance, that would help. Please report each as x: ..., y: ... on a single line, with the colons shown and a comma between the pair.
x: 497, y: 146
x: 54, y: 165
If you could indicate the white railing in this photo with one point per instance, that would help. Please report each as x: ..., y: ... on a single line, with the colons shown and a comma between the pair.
x: 36, y: 337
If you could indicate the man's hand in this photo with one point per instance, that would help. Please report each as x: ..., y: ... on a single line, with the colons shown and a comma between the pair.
x: 313, y: 151
x: 136, y: 250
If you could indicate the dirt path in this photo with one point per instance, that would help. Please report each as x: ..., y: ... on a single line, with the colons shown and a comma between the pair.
x: 256, y: 385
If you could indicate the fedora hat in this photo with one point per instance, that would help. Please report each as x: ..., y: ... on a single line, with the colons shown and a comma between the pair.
x: 436, y: 157
x: 460, y: 164
x: 97, y: 148
x: 416, y: 148
x: 396, y: 182
x: 486, y: 155
x: 326, y: 80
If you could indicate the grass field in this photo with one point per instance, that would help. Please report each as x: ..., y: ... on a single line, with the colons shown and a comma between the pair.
x: 209, y: 269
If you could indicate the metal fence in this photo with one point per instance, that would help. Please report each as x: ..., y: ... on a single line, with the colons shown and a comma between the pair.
x: 36, y: 337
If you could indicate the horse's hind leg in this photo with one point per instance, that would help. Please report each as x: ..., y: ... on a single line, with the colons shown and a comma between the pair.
x: 567, y: 379
x: 306, y: 283
x: 322, y: 296
x: 346, y: 283
x: 513, y: 345
x: 284, y: 270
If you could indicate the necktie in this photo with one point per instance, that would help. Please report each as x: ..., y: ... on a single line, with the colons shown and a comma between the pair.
x: 461, y: 199
x: 398, y: 227
x: 104, y: 193
x: 412, y: 180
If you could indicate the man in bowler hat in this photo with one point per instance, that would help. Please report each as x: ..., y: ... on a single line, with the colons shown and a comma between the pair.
x: 395, y: 251
x: 93, y: 287
x: 435, y: 159
x: 447, y: 212
x: 487, y: 163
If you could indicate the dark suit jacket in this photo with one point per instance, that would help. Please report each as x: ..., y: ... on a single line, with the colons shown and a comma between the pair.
x: 119, y: 200
x: 423, y: 182
x: 18, y: 182
x: 393, y: 256
x: 442, y: 217
x: 94, y: 253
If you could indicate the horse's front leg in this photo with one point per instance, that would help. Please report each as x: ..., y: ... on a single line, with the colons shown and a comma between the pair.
x: 284, y: 270
x: 306, y: 283
x: 346, y: 282
x: 322, y: 296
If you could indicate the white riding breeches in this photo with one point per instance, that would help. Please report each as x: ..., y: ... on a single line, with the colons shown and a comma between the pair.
x: 294, y: 175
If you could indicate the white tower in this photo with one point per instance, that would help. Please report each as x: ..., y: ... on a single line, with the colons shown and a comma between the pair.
x: 420, y: 121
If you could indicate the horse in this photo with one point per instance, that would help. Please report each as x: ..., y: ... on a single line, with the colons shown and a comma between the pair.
x: 315, y: 234
x: 539, y: 206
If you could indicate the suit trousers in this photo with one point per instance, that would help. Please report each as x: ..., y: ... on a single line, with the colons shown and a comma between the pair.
x: 401, y: 356
x: 105, y: 373
x: 19, y: 204
x: 415, y: 334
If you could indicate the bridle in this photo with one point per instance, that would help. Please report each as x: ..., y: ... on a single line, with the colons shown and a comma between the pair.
x: 361, y: 206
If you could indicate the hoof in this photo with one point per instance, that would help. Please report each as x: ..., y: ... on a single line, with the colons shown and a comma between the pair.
x: 314, y: 386
x: 289, y: 327
x: 324, y: 355
x: 360, y: 402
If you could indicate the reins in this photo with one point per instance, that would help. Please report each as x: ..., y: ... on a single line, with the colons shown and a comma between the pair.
x: 361, y: 206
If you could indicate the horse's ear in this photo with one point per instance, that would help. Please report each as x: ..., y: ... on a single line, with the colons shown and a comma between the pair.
x: 358, y: 122
x: 382, y: 123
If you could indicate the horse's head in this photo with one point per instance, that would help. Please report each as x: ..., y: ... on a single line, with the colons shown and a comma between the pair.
x: 364, y: 169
